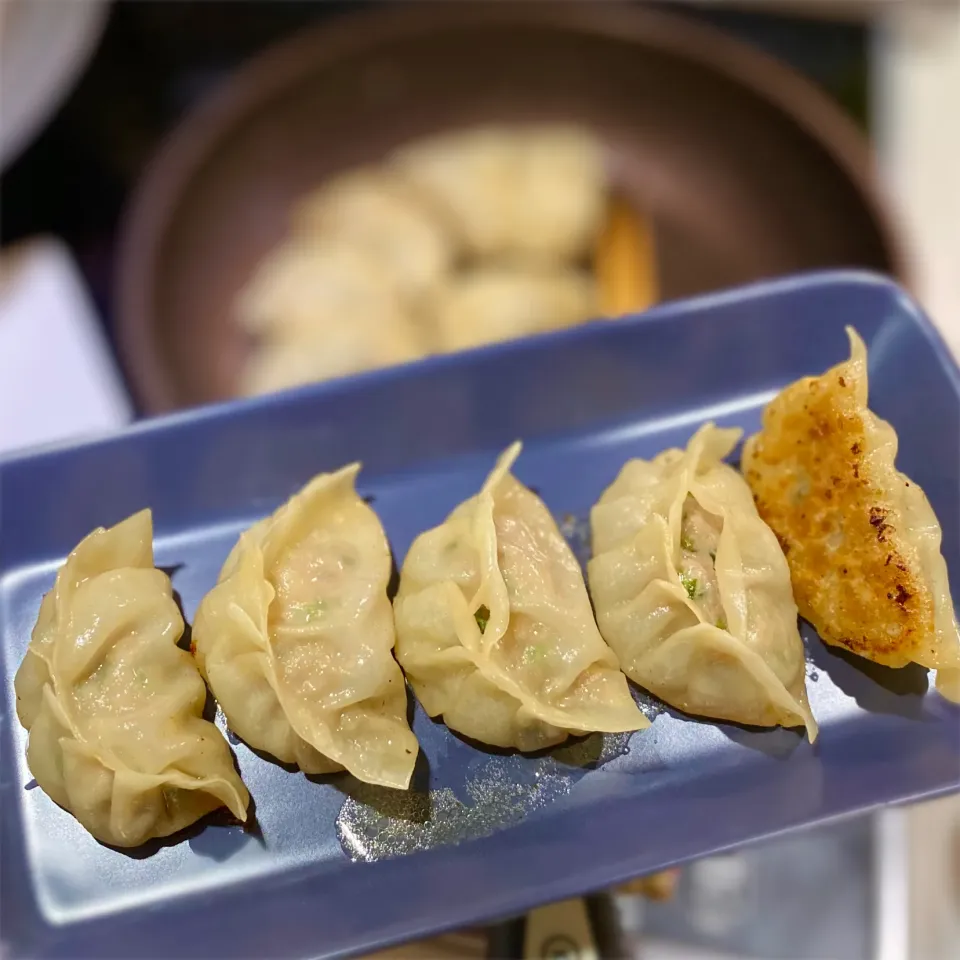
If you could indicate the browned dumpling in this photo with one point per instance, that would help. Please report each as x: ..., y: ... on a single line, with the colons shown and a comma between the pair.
x: 861, y: 539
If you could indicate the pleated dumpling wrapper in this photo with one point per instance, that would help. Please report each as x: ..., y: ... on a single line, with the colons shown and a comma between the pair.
x: 861, y: 539
x: 113, y: 705
x: 495, y: 630
x: 296, y: 639
x: 692, y: 591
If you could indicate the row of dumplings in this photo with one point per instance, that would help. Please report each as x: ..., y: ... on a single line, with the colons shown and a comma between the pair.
x: 696, y: 575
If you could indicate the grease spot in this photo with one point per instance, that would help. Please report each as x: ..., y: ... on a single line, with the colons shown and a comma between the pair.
x: 374, y: 824
x: 422, y: 821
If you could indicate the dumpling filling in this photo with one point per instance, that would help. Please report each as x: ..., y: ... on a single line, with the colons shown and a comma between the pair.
x: 691, y: 589
x: 699, y: 537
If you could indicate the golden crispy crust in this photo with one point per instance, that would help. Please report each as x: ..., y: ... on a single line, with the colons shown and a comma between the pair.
x: 821, y: 471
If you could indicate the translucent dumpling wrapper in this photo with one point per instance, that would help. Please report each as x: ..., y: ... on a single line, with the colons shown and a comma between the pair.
x: 496, y: 303
x: 862, y: 540
x: 692, y: 591
x: 113, y: 705
x: 384, y: 216
x: 494, y: 627
x: 296, y: 639
x: 534, y: 192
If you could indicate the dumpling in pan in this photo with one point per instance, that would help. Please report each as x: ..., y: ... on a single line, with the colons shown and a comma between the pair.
x: 313, y: 286
x: 467, y: 174
x: 296, y: 639
x: 692, y: 591
x: 491, y: 304
x: 382, y: 214
x: 352, y: 346
x: 495, y: 630
x: 532, y: 192
x: 861, y: 539
x: 562, y: 190
x: 113, y: 705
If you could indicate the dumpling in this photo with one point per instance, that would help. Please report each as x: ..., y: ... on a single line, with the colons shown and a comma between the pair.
x: 315, y: 286
x: 321, y: 310
x: 861, y: 539
x: 383, y: 216
x: 113, y: 705
x: 692, y: 591
x: 562, y: 192
x: 495, y: 303
x: 534, y: 192
x: 351, y: 346
x: 295, y: 640
x: 495, y: 630
x: 467, y: 174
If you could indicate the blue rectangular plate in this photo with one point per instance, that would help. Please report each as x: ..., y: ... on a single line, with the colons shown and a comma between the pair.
x: 584, y: 401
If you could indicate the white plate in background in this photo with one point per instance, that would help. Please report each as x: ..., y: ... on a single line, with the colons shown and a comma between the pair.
x: 58, y: 377
x: 44, y: 46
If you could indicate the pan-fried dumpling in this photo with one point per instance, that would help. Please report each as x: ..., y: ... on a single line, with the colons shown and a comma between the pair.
x: 490, y: 304
x: 692, y: 591
x: 296, y: 638
x: 534, y: 192
x: 113, y: 705
x: 861, y: 539
x: 382, y: 214
x: 495, y: 630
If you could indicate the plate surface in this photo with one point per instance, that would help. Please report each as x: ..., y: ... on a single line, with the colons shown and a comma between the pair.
x: 533, y: 829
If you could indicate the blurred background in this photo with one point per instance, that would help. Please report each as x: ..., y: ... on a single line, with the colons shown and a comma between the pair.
x: 195, y: 195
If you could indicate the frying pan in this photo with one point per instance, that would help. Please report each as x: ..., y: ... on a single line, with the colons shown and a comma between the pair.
x: 746, y: 169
